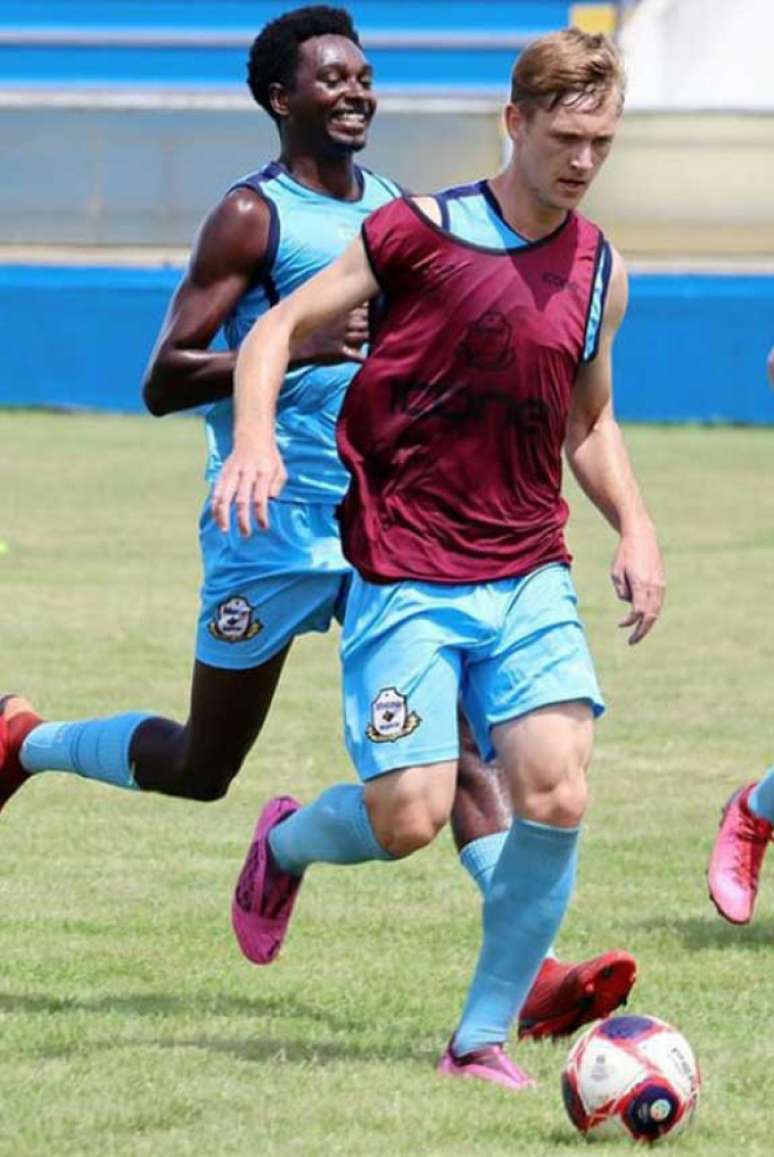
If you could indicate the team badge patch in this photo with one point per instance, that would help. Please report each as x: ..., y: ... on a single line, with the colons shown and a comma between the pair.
x: 487, y: 344
x: 235, y: 621
x: 390, y: 717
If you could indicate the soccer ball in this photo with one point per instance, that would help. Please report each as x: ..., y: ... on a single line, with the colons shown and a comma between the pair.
x: 631, y: 1075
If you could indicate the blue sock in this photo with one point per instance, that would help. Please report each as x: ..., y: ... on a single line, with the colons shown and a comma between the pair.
x: 94, y: 748
x: 479, y: 858
x: 523, y: 909
x: 335, y: 829
x: 761, y: 798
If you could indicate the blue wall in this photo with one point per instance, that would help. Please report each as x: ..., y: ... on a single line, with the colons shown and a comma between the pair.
x: 693, y: 347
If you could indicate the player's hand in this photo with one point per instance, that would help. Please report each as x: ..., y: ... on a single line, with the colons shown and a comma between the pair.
x: 343, y: 340
x: 638, y: 578
x: 251, y: 475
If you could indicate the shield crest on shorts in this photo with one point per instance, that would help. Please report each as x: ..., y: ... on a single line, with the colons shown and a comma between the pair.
x: 390, y: 717
x: 235, y: 621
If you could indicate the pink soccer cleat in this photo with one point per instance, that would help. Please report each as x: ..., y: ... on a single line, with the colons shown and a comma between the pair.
x: 565, y: 996
x: 736, y: 859
x: 264, y: 895
x: 490, y: 1063
x: 17, y: 720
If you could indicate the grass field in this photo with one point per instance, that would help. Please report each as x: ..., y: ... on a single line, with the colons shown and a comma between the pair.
x: 129, y: 1023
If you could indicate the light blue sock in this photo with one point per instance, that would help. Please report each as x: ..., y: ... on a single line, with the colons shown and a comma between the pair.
x: 761, y: 798
x: 335, y: 829
x: 479, y: 859
x: 94, y: 748
x: 523, y: 909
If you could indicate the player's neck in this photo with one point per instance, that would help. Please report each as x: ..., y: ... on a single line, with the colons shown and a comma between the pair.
x: 334, y: 176
x: 526, y: 215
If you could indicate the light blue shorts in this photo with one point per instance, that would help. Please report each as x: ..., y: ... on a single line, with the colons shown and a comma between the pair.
x: 260, y: 592
x: 411, y: 651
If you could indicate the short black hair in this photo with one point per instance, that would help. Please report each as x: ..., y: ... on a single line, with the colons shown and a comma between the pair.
x: 274, y: 52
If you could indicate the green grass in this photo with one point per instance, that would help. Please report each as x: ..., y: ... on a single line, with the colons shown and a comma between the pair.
x: 129, y: 1024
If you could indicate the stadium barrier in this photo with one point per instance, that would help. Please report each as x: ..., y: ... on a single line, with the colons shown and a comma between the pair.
x: 692, y: 349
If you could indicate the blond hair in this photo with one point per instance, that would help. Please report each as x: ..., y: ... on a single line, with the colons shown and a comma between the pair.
x: 566, y: 67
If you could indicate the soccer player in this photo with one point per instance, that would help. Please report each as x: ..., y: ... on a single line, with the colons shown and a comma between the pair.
x: 272, y: 231
x: 494, y: 352
x: 746, y: 829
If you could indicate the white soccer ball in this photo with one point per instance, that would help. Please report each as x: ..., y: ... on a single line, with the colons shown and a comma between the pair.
x: 634, y: 1076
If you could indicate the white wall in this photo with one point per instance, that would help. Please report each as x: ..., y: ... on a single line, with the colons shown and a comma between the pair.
x: 700, y: 54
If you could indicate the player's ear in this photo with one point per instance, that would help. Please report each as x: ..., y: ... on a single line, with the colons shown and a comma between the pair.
x: 514, y: 120
x: 278, y: 99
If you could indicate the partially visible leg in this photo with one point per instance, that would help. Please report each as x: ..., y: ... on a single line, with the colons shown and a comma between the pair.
x: 482, y: 811
x: 228, y: 709
x: 391, y: 817
x: 196, y: 760
x: 563, y: 996
x: 400, y: 691
x: 746, y: 828
x: 545, y: 754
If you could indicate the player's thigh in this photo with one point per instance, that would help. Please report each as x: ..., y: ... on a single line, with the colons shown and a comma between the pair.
x: 545, y: 755
x: 539, y: 659
x: 401, y: 677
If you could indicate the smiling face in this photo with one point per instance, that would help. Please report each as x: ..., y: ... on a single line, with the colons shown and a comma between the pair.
x: 331, y: 103
x: 559, y: 151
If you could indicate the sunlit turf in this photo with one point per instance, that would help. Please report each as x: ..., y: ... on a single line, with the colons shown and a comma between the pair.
x: 129, y: 1023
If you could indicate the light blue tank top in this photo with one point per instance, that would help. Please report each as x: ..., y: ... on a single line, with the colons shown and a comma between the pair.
x: 308, y: 230
x: 471, y: 212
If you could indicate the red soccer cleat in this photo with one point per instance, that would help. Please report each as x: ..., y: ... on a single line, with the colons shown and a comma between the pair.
x: 490, y: 1063
x: 17, y: 720
x: 264, y: 895
x: 565, y: 996
x: 735, y: 863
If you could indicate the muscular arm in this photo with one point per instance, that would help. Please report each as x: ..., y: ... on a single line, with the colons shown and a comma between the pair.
x: 598, y: 457
x: 183, y: 372
x: 254, y: 473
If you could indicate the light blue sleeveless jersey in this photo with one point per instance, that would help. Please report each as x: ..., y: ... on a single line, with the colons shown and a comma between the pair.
x: 472, y: 213
x: 308, y: 230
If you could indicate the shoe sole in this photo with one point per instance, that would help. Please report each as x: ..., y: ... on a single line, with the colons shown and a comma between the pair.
x: 602, y: 992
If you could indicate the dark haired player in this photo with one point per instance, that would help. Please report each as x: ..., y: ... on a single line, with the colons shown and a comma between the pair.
x: 272, y: 231
x: 494, y: 353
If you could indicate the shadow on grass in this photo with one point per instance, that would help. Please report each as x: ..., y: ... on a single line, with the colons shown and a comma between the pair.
x: 711, y: 932
x: 254, y: 1050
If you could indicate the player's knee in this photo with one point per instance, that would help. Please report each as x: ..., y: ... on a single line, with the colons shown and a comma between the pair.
x: 409, y: 827
x: 560, y: 802
x: 208, y: 784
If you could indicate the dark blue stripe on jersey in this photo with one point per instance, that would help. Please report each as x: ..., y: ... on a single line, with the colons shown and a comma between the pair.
x: 262, y: 275
x: 443, y: 204
x: 603, y: 250
x: 607, y: 269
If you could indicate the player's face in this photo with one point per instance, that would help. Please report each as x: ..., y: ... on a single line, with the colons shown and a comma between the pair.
x: 560, y: 151
x: 332, y: 102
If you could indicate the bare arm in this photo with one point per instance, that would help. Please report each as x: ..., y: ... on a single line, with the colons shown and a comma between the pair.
x: 599, y: 460
x: 231, y: 244
x: 183, y: 372
x: 253, y: 473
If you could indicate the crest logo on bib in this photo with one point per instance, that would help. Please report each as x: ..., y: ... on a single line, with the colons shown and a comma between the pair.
x: 235, y: 621
x: 390, y: 717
